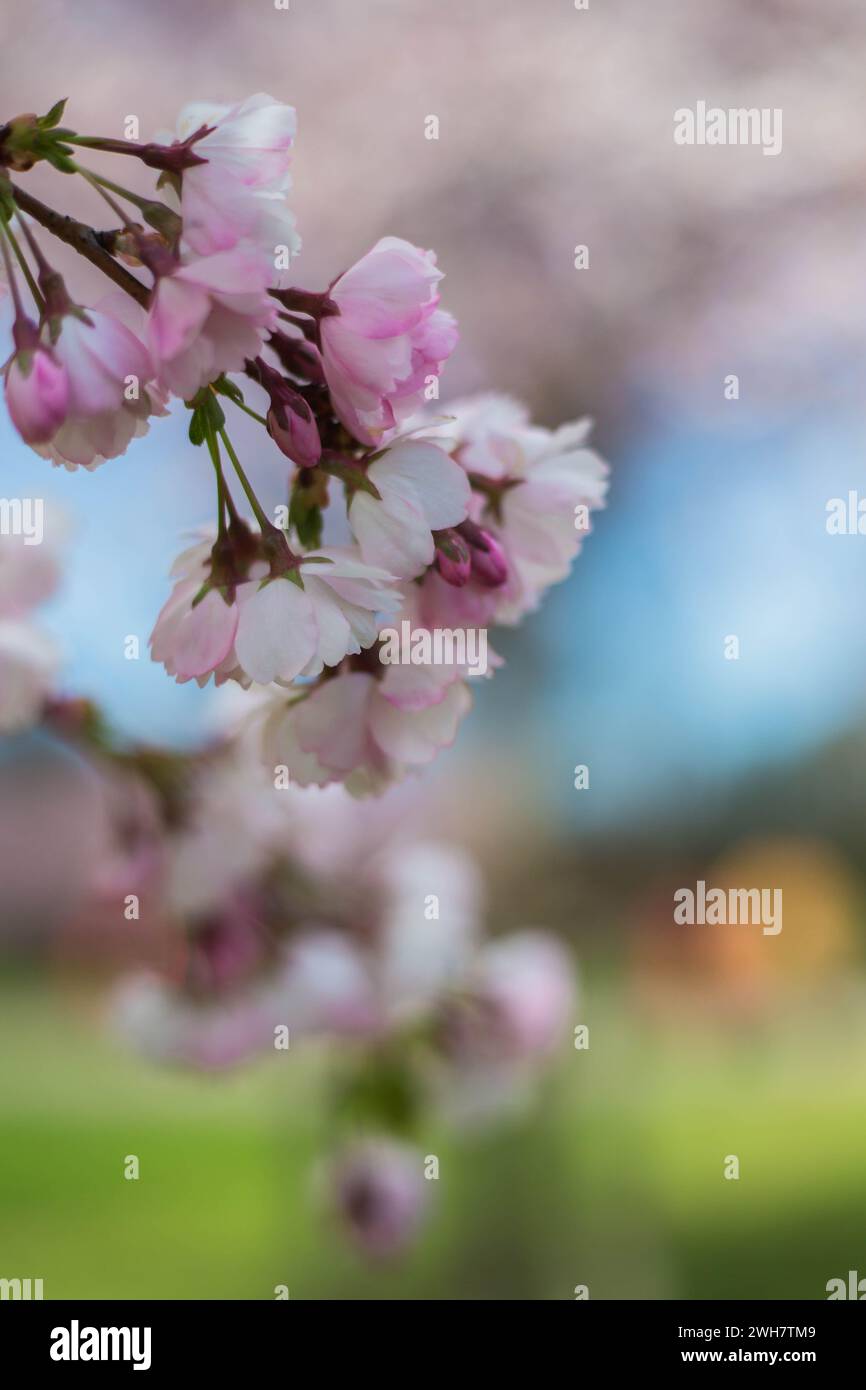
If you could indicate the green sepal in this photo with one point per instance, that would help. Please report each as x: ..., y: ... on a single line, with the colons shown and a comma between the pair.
x: 207, y: 413
x: 382, y: 1094
x: 353, y: 479
x: 196, y: 428
x: 54, y: 116
x: 225, y: 387
x: 202, y: 593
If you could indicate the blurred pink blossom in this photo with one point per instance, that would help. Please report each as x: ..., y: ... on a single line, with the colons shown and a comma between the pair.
x: 379, y: 1195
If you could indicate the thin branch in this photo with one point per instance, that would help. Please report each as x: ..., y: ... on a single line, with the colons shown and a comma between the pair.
x: 87, y: 242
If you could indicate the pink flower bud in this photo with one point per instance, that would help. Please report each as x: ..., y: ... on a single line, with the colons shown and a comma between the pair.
x: 37, y: 394
x: 380, y: 1195
x: 489, y: 565
x: 292, y: 426
x: 291, y: 422
x: 453, y: 559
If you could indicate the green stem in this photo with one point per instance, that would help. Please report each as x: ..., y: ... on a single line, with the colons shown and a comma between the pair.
x: 8, y: 267
x: 258, y: 511
x: 25, y: 269
x: 98, y: 142
x: 222, y: 490
x: 245, y: 408
x: 96, y: 183
x: 102, y: 183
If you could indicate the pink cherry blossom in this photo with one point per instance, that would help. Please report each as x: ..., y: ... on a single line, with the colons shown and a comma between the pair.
x: 90, y: 441
x: 212, y: 1034
x: 533, y: 486
x: 104, y: 361
x: 270, y: 629
x: 444, y: 605
x: 237, y: 198
x: 441, y: 604
x: 193, y: 636
x: 318, y: 985
x: 191, y: 639
x: 111, y: 391
x: 416, y: 684
x: 207, y: 317
x: 421, y: 490
x: 250, y: 140
x: 288, y: 629
x: 37, y: 394
x: 387, y: 339
x: 347, y: 731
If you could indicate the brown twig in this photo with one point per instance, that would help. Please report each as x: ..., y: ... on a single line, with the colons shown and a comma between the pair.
x: 87, y: 242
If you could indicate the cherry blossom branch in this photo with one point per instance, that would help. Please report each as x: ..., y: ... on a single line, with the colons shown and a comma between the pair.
x: 85, y: 240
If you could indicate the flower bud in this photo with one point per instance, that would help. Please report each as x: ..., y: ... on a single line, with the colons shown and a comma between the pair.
x: 292, y: 426
x: 453, y: 559
x: 297, y: 356
x: 37, y: 394
x: 380, y: 1195
x: 17, y: 142
x: 291, y: 422
x: 489, y: 565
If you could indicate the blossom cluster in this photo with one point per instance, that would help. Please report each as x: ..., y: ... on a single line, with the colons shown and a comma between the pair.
x: 267, y: 923
x: 308, y: 921
x: 273, y: 914
x: 399, y: 510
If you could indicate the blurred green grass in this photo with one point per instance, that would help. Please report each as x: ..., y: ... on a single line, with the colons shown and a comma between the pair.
x: 613, y: 1179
